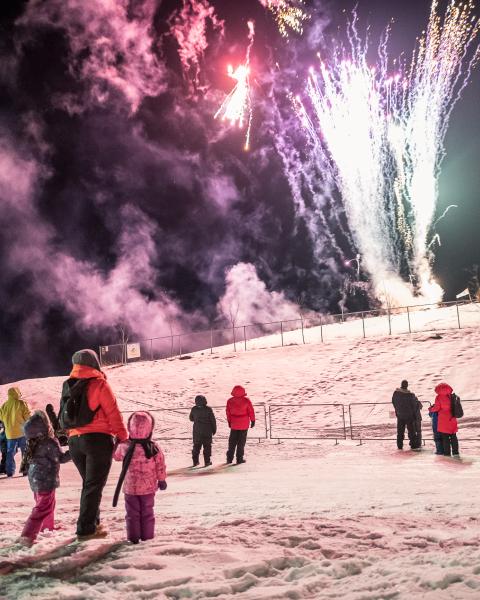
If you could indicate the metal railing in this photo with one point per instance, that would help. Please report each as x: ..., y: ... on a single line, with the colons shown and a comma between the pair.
x: 326, y: 423
x: 368, y: 421
x: 303, y: 330
x: 376, y: 421
x: 174, y: 423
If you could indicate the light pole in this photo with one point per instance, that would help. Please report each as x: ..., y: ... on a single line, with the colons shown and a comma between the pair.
x: 357, y: 260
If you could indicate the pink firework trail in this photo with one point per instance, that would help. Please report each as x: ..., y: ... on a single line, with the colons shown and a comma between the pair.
x: 189, y: 28
x: 237, y: 106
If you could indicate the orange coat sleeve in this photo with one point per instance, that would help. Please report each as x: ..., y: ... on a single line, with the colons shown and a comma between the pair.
x: 103, y: 395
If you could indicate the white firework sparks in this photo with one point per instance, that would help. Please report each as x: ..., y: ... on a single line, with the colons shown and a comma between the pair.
x: 382, y: 137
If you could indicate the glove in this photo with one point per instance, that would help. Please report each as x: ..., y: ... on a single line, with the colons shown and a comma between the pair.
x: 162, y: 485
x: 229, y: 424
x: 252, y: 424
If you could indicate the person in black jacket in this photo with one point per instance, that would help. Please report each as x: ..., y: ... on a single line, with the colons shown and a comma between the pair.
x: 406, y: 410
x: 204, y: 428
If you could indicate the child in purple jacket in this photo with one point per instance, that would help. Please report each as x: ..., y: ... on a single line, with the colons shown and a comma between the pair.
x: 144, y: 471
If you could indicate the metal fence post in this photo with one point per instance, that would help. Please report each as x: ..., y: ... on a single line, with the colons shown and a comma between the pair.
x: 350, y: 419
x: 321, y: 330
x: 151, y: 349
x: 458, y: 315
x: 270, y: 420
x: 180, y: 345
x: 408, y: 317
x: 211, y: 341
x: 363, y: 324
x: 303, y: 336
x: 234, y: 340
x: 281, y: 331
x: 266, y: 424
x: 245, y: 336
x: 389, y: 321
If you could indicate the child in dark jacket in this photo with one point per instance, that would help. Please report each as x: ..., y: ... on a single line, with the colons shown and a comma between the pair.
x: 43, y: 457
x: 204, y: 428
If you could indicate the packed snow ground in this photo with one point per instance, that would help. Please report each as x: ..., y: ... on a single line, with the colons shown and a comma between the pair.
x: 301, y: 519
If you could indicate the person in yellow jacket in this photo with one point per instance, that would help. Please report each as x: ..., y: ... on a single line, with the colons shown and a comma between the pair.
x: 14, y: 413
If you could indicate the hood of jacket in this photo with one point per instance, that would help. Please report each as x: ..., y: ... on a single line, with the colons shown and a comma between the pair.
x: 200, y: 401
x: 36, y: 426
x: 87, y: 358
x: 403, y: 390
x: 84, y: 372
x: 140, y: 425
x: 443, y: 389
x: 238, y: 392
x: 14, y: 394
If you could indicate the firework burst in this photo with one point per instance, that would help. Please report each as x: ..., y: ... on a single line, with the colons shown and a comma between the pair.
x: 288, y: 15
x: 382, y: 134
x: 237, y: 106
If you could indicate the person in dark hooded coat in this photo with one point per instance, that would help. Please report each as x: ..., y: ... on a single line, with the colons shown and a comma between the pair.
x: 204, y: 428
x: 406, y: 410
x: 43, y: 457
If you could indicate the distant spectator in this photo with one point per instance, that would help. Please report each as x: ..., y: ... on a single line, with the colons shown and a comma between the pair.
x: 144, y: 472
x: 3, y: 449
x: 91, y: 444
x: 447, y: 424
x: 418, y: 422
x: 60, y: 433
x: 406, y: 410
x: 43, y: 457
x: 240, y: 415
x: 14, y: 413
x: 204, y: 428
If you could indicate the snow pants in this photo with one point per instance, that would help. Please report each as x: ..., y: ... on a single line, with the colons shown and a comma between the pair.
x: 42, y: 516
x: 198, y: 443
x: 140, y: 518
x: 92, y: 455
x: 437, y: 436
x: 236, y: 441
x: 12, y: 447
x: 450, y: 441
x: 412, y: 433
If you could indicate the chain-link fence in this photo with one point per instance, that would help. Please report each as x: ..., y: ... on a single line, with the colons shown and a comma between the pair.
x: 304, y: 330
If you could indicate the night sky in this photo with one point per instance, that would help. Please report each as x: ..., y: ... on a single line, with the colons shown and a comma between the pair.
x: 124, y: 204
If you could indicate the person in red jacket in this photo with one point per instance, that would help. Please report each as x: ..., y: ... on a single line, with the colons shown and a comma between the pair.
x: 240, y: 415
x: 447, y: 425
x: 91, y: 446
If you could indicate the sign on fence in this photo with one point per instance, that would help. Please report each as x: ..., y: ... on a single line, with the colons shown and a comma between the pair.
x: 133, y: 351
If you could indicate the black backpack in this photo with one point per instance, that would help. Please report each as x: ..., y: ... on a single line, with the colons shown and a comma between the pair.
x: 456, y: 406
x: 74, y: 409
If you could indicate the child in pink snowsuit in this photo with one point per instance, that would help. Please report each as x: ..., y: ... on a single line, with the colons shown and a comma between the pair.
x: 144, y: 471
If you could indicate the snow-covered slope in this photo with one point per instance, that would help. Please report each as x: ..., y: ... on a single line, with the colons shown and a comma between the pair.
x: 299, y: 519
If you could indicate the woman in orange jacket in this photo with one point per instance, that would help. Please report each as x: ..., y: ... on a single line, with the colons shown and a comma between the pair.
x: 91, y: 446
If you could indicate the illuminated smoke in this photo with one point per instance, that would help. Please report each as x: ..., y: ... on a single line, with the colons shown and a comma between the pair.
x: 189, y: 27
x: 382, y: 134
x: 111, y: 45
x: 237, y: 106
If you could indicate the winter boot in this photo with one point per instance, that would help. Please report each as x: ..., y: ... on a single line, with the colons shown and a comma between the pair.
x: 208, y: 464
x: 99, y: 532
x: 240, y: 461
